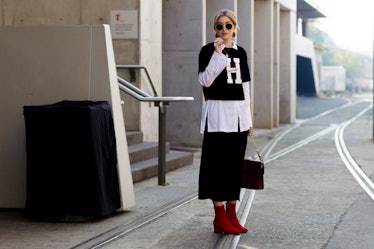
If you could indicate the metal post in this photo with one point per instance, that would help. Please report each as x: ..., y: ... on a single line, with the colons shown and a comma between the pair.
x: 162, y: 108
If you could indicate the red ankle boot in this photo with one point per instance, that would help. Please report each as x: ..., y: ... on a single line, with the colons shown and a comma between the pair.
x: 221, y: 222
x: 231, y: 214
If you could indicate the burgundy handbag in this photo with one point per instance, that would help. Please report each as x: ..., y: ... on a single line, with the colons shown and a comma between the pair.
x: 253, y: 171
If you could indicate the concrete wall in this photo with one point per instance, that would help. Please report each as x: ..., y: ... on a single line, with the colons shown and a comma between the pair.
x: 274, y: 81
x: 146, y: 49
x: 182, y: 40
x: 272, y: 63
x: 171, y: 34
x: 43, y: 65
x: 62, y: 12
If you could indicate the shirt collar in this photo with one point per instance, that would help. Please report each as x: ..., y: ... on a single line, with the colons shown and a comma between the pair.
x: 234, y: 45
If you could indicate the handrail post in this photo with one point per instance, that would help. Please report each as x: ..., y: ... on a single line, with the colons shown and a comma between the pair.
x: 162, y: 108
x: 162, y: 103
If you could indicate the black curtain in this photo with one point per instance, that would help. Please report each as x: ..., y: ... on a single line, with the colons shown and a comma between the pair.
x: 71, y: 160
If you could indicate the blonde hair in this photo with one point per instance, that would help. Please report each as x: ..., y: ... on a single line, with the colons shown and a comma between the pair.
x: 231, y: 15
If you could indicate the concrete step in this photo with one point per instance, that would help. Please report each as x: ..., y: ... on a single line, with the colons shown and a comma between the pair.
x: 149, y: 168
x: 134, y: 137
x: 144, y: 157
x: 144, y: 151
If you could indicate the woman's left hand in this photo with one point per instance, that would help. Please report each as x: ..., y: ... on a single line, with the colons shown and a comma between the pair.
x: 250, y: 131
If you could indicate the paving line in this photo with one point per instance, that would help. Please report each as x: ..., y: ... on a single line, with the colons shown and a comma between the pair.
x: 300, y: 143
x: 121, y: 230
x: 349, y: 162
x: 269, y: 147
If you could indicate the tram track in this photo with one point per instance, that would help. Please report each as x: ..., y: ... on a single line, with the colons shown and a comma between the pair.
x: 114, y: 233
x: 352, y: 166
x: 247, y: 196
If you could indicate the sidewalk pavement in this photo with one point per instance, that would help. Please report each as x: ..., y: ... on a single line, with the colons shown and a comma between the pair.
x: 18, y: 230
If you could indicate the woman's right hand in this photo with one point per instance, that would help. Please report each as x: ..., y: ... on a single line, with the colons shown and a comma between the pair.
x: 218, y: 45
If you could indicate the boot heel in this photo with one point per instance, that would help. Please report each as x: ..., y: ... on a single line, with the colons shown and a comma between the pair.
x: 217, y: 229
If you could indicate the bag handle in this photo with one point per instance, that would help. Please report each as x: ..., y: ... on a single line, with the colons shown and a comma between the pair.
x: 257, y: 150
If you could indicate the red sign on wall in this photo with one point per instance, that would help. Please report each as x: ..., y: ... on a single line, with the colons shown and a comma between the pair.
x: 124, y: 24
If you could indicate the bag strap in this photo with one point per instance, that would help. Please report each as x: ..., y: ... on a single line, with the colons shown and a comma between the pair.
x: 257, y: 150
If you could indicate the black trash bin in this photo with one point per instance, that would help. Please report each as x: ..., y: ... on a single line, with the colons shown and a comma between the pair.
x: 71, y: 161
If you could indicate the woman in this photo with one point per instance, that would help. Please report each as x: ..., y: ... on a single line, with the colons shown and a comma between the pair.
x: 226, y: 121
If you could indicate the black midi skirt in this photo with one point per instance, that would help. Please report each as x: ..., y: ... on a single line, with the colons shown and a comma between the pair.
x: 221, y: 165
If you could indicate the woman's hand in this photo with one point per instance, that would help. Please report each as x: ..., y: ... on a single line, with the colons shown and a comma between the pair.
x: 217, y: 45
x: 250, y: 131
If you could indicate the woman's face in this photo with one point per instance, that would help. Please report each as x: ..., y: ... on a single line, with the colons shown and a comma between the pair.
x: 225, y: 33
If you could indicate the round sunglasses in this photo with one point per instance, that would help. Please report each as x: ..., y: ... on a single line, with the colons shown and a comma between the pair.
x: 227, y: 26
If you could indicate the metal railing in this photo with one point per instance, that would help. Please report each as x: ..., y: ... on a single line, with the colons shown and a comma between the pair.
x: 162, y: 103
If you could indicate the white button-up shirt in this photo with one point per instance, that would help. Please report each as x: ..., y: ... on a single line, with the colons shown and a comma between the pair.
x: 224, y: 115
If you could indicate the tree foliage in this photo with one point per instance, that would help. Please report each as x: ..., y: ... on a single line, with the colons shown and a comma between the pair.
x: 352, y: 61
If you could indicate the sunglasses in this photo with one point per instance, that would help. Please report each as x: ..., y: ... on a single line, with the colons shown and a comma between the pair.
x: 227, y: 26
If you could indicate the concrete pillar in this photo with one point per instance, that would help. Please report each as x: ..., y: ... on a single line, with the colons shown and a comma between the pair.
x: 182, y: 40
x: 276, y: 68
x: 287, y: 90
x: 263, y: 64
x: 245, y: 15
x: 150, y: 54
x: 1, y: 13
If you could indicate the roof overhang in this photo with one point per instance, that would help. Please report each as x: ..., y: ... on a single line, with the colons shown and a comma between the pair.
x: 307, y: 9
